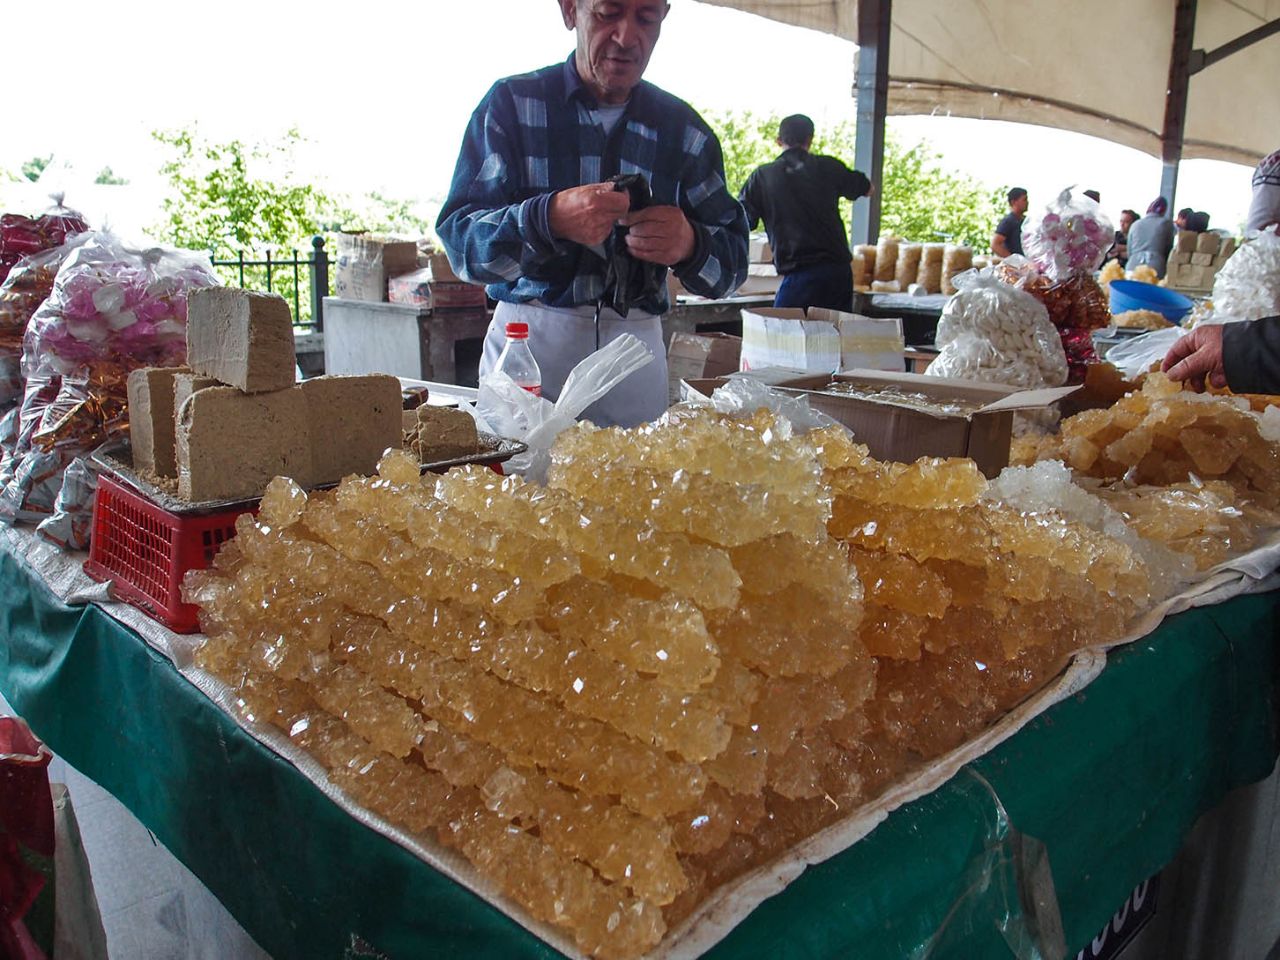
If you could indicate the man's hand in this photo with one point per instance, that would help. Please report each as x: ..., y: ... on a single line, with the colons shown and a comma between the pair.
x: 1196, y: 356
x: 999, y: 247
x: 660, y: 234
x: 586, y: 214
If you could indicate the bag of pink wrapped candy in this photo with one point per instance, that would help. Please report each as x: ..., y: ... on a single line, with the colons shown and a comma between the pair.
x: 1065, y: 245
x: 113, y: 309
x: 1071, y: 237
x: 24, y: 236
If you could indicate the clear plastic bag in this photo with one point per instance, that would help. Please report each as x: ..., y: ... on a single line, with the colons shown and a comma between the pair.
x: 22, y: 236
x: 113, y: 309
x: 1248, y: 285
x: 1135, y: 357
x: 743, y: 396
x: 511, y: 411
x: 992, y: 331
x: 21, y: 294
x: 1072, y: 236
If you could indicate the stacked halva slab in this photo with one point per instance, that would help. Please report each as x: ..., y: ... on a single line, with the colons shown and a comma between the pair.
x: 234, y: 417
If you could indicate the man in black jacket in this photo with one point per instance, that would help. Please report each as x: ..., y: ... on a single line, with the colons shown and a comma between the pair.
x: 798, y: 198
x: 1242, y: 356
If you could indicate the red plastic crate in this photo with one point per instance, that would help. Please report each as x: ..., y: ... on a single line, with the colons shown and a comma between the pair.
x: 144, y: 551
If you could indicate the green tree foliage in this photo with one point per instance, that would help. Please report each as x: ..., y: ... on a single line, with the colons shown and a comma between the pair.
x: 228, y: 197
x: 920, y: 199
x: 35, y: 166
x: 235, y: 198
x: 108, y: 176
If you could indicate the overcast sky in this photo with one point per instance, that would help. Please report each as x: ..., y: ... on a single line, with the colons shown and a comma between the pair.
x: 382, y: 91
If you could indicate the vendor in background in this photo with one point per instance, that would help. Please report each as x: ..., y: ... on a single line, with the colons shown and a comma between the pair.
x: 1120, y: 248
x: 798, y: 198
x: 1007, y: 239
x: 528, y: 212
x: 1264, y: 209
x: 1243, y: 356
x: 1151, y: 238
x: 1183, y: 220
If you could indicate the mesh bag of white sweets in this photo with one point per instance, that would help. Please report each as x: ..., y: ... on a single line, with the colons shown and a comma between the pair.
x: 992, y: 331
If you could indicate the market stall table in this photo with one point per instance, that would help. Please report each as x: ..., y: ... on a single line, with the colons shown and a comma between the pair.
x: 1109, y: 780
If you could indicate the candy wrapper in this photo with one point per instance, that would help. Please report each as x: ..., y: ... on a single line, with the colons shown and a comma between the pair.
x: 1071, y: 237
x: 113, y: 309
x: 26, y: 236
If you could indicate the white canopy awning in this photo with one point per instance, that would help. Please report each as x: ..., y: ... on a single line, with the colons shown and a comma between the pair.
x: 1095, y: 67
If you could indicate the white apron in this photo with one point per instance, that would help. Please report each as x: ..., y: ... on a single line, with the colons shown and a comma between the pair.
x: 560, y: 337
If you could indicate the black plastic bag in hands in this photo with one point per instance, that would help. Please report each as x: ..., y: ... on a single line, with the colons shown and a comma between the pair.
x: 627, y: 281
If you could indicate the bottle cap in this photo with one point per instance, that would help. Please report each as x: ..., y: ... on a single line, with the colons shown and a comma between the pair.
x: 518, y: 331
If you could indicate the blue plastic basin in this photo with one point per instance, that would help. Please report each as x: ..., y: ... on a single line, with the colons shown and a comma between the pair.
x: 1133, y: 295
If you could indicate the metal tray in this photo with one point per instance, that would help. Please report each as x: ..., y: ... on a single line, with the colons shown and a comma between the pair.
x: 116, y: 458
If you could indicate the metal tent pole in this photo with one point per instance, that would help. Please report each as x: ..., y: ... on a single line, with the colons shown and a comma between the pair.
x: 872, y: 86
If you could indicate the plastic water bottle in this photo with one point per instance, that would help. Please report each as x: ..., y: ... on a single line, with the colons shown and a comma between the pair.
x: 517, y: 362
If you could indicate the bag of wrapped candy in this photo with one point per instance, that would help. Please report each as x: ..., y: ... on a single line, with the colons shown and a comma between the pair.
x: 1064, y: 246
x: 22, y: 236
x: 993, y: 331
x: 113, y: 309
x: 28, y: 286
x: 1070, y: 237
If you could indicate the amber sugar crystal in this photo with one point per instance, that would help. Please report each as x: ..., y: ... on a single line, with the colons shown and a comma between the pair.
x: 703, y: 640
x: 1163, y: 435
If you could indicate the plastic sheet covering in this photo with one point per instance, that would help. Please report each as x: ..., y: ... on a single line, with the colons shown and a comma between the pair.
x: 899, y: 865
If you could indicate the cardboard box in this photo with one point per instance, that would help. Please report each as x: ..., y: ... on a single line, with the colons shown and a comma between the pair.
x: 366, y: 262
x: 819, y: 340
x: 456, y: 295
x: 413, y: 288
x: 693, y: 356
x: 1227, y: 248
x: 1185, y: 242
x: 442, y: 270
x: 904, y: 434
x: 242, y: 339
x: 762, y: 279
x: 1208, y: 242
x: 759, y: 251
x: 1179, y: 258
x: 1201, y: 259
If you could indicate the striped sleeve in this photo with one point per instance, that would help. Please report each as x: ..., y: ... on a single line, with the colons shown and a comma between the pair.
x: 718, y: 265
x: 490, y: 235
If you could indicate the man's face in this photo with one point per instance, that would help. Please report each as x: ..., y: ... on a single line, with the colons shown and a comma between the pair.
x: 615, y: 40
x: 1126, y: 221
x: 1019, y: 206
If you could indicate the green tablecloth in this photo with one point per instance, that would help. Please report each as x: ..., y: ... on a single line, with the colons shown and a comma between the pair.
x: 1110, y: 780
